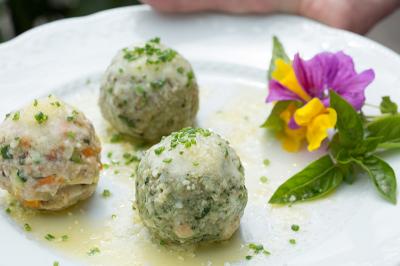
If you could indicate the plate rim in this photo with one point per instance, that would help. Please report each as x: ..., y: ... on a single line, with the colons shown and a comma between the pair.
x: 144, y: 7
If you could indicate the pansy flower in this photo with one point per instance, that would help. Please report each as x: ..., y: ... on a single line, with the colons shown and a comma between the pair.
x: 308, y: 82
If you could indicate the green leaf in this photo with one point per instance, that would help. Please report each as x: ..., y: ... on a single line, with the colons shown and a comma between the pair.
x: 334, y: 146
x: 274, y: 122
x: 367, y: 145
x: 349, y: 123
x: 389, y: 145
x: 388, y: 128
x: 348, y: 172
x: 382, y: 176
x: 278, y: 51
x: 317, y: 179
x: 387, y: 106
x: 343, y: 154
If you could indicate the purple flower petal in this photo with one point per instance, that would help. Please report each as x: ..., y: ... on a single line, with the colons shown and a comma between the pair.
x: 292, y: 123
x: 278, y: 92
x: 352, y: 90
x: 334, y: 71
x: 313, y: 74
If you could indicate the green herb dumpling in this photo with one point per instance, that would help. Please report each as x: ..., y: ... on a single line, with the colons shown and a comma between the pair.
x: 149, y: 91
x: 50, y: 155
x: 190, y: 188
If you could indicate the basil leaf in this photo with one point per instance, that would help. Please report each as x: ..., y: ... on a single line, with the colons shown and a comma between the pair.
x: 382, y: 176
x: 274, y: 122
x: 344, y: 156
x: 278, y: 51
x: 389, y: 145
x: 334, y: 146
x: 369, y: 144
x: 387, y: 106
x: 348, y: 172
x: 349, y: 123
x: 388, y: 128
x: 317, y: 179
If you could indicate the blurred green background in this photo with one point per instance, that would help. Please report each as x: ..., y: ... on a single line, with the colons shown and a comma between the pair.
x: 17, y: 16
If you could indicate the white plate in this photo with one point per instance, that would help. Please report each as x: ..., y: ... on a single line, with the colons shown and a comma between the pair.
x: 230, y: 55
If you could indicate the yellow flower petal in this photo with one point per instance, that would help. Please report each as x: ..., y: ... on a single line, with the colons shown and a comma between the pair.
x: 284, y: 73
x: 292, y: 142
x: 282, y: 69
x: 306, y: 114
x: 291, y: 138
x: 291, y: 145
x: 317, y: 130
x: 287, y: 114
x: 299, y: 133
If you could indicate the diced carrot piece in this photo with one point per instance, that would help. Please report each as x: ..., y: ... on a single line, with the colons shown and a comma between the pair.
x: 25, y: 142
x: 32, y: 203
x: 46, y: 180
x: 88, y: 152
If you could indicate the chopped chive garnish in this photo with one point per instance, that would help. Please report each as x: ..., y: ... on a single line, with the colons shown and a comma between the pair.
x: 115, y: 138
x: 49, y: 237
x: 41, y: 118
x: 16, y: 116
x: 27, y: 227
x: 93, y: 251
x: 5, y: 152
x: 73, y: 116
x: 155, y: 40
x: 159, y: 150
x: 190, y: 78
x: 187, y: 136
x: 180, y: 70
x: 257, y: 249
x: 71, y: 135
x: 21, y: 176
x: 263, y: 179
x: 167, y: 160
x: 76, y: 156
x: 106, y: 193
x: 56, y: 104
x: 156, y: 85
x: 295, y: 227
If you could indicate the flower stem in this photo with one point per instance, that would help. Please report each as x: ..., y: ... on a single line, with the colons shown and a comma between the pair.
x: 372, y: 105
